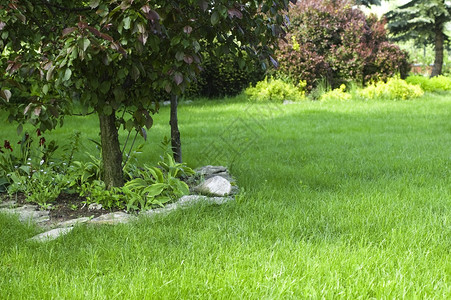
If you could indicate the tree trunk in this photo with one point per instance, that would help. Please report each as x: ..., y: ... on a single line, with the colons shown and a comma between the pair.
x: 175, y: 133
x: 439, y: 40
x: 111, y: 152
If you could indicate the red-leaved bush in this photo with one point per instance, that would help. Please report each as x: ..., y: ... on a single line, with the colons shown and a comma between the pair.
x: 335, y: 41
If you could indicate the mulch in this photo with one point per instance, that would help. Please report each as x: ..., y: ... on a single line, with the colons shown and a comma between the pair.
x: 65, y: 207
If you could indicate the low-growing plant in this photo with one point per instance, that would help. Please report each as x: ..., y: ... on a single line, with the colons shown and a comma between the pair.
x: 41, y: 186
x: 393, y: 89
x: 157, y: 185
x: 276, y: 90
x: 42, y: 178
x: 31, y: 169
x: 437, y: 83
x: 96, y: 192
x: 147, y: 186
x: 336, y: 94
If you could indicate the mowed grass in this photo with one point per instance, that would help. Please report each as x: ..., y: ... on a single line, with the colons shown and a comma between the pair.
x: 338, y: 200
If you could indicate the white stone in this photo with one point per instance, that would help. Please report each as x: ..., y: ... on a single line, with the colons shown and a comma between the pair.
x: 28, y: 213
x: 95, y: 206
x: 215, y: 186
x: 51, y: 234
x: 112, y: 218
x: 186, y: 202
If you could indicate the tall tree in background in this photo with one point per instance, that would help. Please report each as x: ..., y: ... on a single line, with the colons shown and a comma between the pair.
x: 424, y: 22
x: 107, y: 55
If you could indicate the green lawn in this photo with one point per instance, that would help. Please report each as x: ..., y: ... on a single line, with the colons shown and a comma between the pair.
x: 338, y: 200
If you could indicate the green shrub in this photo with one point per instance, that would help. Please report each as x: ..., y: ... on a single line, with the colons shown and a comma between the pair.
x: 276, y: 90
x: 393, y: 89
x: 336, y: 94
x: 438, y: 83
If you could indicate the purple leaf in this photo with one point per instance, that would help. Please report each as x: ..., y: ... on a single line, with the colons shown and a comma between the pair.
x: 68, y: 30
x: 118, y: 48
x: 106, y: 37
x: 188, y: 59
x: 2, y: 25
x: 37, y: 111
x: 203, y: 5
x: 144, y: 133
x: 150, y: 14
x: 178, y: 78
x: 94, y: 31
x: 233, y: 12
x: 187, y: 29
x: 142, y: 37
x: 5, y: 94
x: 27, y: 109
x: 274, y: 62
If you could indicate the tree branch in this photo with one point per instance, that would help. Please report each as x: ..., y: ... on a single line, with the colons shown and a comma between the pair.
x: 62, y: 8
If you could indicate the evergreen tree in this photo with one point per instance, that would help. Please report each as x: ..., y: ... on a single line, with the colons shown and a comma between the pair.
x: 424, y: 22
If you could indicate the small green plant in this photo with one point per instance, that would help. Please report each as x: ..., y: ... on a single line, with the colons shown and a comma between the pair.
x: 157, y: 185
x: 393, y: 89
x: 96, y: 192
x: 276, y: 90
x: 336, y: 94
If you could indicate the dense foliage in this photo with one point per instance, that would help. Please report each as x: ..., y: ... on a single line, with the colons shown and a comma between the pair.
x: 437, y: 83
x: 336, y: 41
x: 393, y: 89
x: 109, y: 56
x: 37, y: 170
x: 423, y: 21
x: 223, y: 75
x: 276, y: 90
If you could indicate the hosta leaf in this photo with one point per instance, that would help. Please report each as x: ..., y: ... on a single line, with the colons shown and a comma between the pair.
x: 155, y: 189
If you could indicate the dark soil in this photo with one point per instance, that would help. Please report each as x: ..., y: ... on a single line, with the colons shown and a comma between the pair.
x: 65, y: 207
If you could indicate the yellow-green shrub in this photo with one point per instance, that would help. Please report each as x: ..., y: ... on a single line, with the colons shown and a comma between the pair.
x: 437, y: 83
x: 336, y: 94
x: 276, y: 90
x: 393, y: 89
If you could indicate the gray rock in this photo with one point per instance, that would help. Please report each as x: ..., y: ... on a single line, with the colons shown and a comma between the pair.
x: 166, y: 103
x: 28, y: 213
x: 215, y: 186
x: 112, y: 218
x: 210, y: 170
x: 73, y: 222
x: 186, y: 202
x: 95, y: 206
x: 51, y: 234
